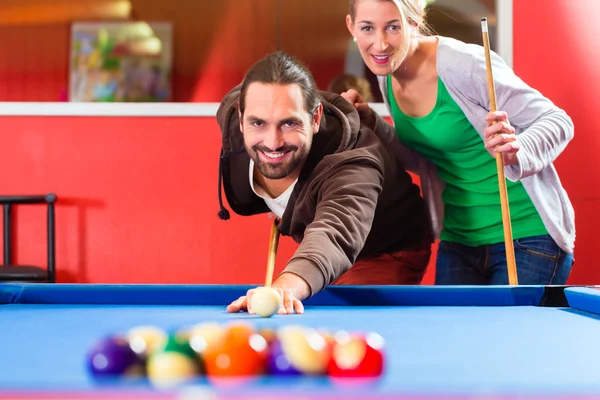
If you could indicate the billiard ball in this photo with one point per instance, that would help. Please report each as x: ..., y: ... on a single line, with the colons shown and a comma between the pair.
x: 146, y: 338
x: 113, y: 356
x: 265, y: 301
x: 173, y: 363
x: 242, y: 353
x: 355, y: 355
x: 278, y: 363
x: 205, y: 336
x: 307, y: 350
x: 269, y: 334
x: 238, y: 329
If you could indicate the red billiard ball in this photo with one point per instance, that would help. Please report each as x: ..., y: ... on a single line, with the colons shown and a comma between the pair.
x: 356, y: 355
x: 114, y: 356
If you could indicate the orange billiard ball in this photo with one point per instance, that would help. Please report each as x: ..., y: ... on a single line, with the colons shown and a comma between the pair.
x: 241, y: 353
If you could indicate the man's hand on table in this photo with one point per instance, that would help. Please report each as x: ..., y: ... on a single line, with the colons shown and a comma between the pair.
x: 292, y: 289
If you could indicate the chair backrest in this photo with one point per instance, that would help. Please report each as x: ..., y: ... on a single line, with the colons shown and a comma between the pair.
x: 48, y: 199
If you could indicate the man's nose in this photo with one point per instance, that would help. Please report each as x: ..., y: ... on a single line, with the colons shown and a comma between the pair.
x: 273, y: 139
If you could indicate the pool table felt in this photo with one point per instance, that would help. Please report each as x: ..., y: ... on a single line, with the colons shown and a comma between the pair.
x: 438, y: 340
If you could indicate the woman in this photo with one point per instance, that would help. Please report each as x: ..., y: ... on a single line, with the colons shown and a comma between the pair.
x: 436, y: 91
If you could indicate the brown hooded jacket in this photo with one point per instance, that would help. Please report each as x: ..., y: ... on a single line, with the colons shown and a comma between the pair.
x: 352, y: 200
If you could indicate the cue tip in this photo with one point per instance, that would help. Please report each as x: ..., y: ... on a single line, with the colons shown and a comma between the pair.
x: 484, y: 25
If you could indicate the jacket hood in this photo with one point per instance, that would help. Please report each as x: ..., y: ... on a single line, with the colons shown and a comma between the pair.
x: 338, y: 131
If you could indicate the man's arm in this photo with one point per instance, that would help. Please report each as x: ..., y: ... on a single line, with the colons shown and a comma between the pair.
x: 344, y: 214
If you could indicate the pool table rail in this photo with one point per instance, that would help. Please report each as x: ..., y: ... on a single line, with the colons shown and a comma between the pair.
x: 587, y: 298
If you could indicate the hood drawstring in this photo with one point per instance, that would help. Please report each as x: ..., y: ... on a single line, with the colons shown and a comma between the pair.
x: 223, y: 212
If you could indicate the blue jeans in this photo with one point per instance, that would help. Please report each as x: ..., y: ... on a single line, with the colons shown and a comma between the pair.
x: 539, y: 262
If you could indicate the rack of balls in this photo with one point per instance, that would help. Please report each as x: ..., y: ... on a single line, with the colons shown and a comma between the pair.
x: 235, y: 350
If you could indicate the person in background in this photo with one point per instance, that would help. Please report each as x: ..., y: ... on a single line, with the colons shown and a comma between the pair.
x: 343, y: 83
x: 436, y: 92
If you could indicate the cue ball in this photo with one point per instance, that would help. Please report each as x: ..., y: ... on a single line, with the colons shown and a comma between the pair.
x: 265, y: 301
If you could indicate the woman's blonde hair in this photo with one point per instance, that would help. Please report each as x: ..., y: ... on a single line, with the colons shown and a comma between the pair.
x: 411, y: 12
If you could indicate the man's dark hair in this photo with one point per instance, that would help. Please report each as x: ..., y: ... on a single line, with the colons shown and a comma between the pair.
x: 282, y: 69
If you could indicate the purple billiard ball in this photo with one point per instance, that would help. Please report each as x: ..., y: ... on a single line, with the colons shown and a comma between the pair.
x: 278, y: 362
x: 114, y: 356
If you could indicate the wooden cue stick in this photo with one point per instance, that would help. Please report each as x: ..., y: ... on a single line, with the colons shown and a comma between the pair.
x: 273, y: 243
x: 508, y: 239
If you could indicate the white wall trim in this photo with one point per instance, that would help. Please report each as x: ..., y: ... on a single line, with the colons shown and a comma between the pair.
x: 41, y: 109
x: 504, y: 29
x: 109, y: 109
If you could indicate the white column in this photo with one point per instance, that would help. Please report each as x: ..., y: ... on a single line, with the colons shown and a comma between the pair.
x: 504, y: 30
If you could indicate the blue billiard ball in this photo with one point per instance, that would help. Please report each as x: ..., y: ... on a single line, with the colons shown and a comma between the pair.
x: 278, y: 362
x: 114, y: 356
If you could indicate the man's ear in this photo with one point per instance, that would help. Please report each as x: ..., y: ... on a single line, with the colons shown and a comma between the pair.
x: 317, y: 115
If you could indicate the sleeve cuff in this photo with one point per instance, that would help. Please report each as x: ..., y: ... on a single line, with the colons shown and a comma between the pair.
x: 514, y: 172
x: 309, y: 271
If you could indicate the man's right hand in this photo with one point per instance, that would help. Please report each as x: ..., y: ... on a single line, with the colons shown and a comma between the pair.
x: 289, y: 305
x: 367, y: 116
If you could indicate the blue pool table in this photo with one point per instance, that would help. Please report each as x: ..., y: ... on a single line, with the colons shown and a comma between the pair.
x: 441, y: 342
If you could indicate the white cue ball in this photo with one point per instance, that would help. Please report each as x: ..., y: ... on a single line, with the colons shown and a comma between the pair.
x: 265, y: 301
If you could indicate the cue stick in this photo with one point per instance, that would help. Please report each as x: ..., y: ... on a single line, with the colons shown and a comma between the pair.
x: 273, y: 243
x: 508, y: 239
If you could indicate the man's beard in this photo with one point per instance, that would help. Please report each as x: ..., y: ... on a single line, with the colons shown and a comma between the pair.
x: 277, y: 170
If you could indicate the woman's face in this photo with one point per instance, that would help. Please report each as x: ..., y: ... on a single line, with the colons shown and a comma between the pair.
x: 377, y: 28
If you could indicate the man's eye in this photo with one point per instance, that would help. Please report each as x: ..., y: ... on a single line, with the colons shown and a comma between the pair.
x: 258, y: 124
x: 289, y: 124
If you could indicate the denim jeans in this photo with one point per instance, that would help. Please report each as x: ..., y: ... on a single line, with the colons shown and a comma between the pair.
x: 539, y: 261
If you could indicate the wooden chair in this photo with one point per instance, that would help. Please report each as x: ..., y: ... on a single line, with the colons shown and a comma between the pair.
x: 10, y: 272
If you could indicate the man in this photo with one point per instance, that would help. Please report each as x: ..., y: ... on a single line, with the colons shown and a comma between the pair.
x: 336, y: 189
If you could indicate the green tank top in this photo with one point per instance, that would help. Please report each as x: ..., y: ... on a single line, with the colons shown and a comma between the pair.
x: 472, y: 211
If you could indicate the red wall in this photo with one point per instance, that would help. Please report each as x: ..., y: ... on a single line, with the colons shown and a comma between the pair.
x: 34, y: 62
x: 555, y: 52
x: 137, y: 200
